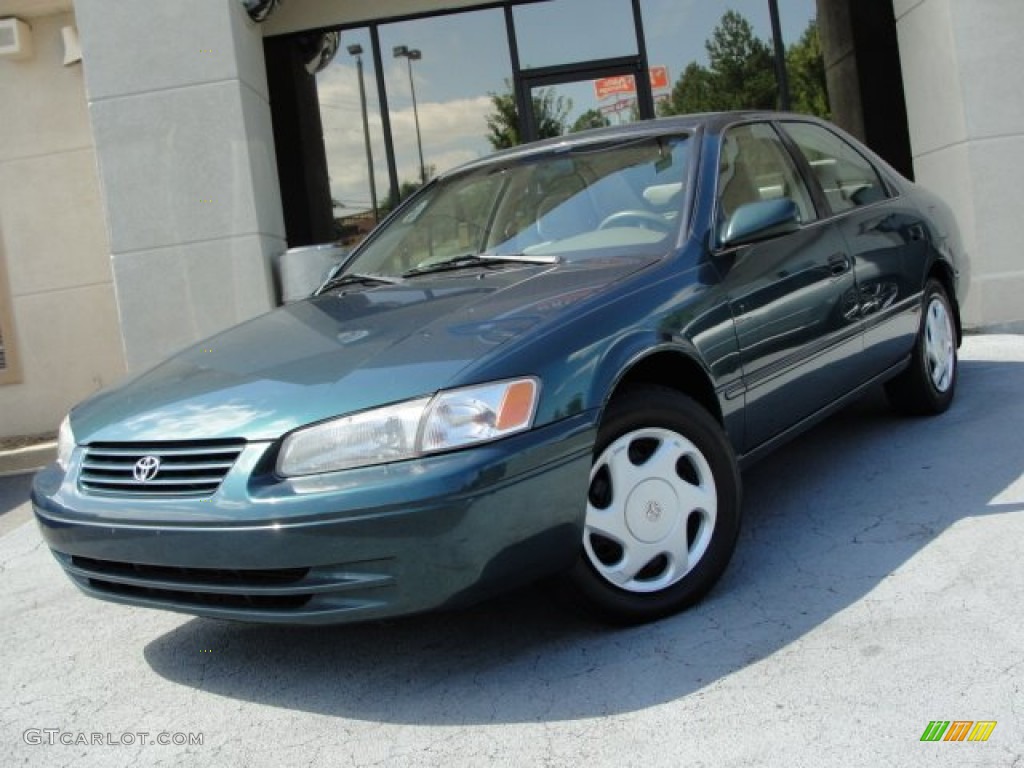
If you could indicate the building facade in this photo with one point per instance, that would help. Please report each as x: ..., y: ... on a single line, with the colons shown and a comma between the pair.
x: 148, y: 187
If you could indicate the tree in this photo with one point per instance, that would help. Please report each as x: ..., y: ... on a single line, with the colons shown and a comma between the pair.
x: 805, y: 66
x: 740, y: 73
x: 592, y: 118
x: 503, y: 123
x: 694, y: 91
x: 550, y: 111
x: 743, y: 65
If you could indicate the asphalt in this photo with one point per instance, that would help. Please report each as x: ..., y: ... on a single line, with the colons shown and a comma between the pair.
x: 878, y: 585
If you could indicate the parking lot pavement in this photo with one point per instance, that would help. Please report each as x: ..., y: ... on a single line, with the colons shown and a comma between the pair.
x: 878, y: 586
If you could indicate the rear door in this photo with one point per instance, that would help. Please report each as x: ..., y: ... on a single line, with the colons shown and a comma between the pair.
x: 794, y: 297
x: 884, y: 233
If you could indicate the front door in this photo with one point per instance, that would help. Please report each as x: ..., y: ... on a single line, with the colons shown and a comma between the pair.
x: 794, y: 297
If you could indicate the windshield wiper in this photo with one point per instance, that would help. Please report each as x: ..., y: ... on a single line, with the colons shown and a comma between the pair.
x: 479, y: 259
x: 351, y: 278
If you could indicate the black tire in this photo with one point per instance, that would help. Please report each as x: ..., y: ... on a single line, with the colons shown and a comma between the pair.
x: 642, y: 428
x: 927, y: 386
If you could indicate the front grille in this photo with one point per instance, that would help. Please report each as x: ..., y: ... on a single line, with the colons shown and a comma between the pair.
x: 263, y: 588
x: 259, y: 594
x: 257, y: 577
x: 185, y: 469
x: 205, y: 599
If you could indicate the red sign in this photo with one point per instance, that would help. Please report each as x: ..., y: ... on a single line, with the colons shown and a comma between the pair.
x: 659, y: 78
x: 619, y: 106
x: 609, y: 86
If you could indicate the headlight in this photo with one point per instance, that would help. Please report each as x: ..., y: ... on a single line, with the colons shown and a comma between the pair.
x: 470, y: 415
x: 370, y: 437
x: 451, y: 419
x: 65, y: 443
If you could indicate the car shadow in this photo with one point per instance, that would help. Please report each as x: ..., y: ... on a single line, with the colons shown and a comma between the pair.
x: 827, y: 518
x: 14, y: 491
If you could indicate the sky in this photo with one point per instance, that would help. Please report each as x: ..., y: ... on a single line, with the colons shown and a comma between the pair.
x: 465, y: 58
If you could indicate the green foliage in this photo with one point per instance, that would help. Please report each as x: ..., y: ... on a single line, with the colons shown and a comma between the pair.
x: 743, y: 64
x: 592, y: 118
x: 805, y: 66
x: 696, y: 90
x: 741, y: 73
x: 550, y: 110
x: 503, y: 123
x: 551, y: 113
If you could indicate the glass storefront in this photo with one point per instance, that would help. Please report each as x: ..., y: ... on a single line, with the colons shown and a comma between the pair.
x: 551, y: 33
x: 462, y: 59
x: 346, y: 91
x: 720, y: 55
x: 442, y: 89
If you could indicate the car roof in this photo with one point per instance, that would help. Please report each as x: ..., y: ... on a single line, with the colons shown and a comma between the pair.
x: 709, y: 122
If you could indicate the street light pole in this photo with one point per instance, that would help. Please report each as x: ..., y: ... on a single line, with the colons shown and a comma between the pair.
x: 357, y: 51
x: 411, y: 55
x: 780, y: 56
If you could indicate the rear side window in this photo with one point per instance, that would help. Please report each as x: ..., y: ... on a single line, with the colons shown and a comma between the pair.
x: 846, y: 177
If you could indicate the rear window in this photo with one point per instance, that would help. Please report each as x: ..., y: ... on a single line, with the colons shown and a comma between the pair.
x: 844, y: 174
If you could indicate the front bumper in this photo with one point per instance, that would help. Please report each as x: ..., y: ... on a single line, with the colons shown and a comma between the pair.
x: 363, y: 544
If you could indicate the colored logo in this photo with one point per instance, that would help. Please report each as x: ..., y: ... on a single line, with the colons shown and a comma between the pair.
x: 958, y: 730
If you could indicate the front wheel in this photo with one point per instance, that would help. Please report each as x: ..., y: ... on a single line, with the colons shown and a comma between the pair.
x: 927, y: 386
x: 662, y: 508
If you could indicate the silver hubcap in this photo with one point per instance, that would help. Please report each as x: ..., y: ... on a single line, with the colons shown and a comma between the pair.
x: 650, y: 510
x: 939, y: 350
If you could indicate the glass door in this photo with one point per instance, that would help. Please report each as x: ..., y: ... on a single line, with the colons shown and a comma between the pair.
x: 574, y: 100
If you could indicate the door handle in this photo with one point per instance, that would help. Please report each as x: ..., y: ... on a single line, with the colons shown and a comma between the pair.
x: 838, y: 263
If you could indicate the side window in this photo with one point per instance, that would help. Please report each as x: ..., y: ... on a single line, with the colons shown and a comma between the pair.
x: 846, y: 177
x: 753, y: 166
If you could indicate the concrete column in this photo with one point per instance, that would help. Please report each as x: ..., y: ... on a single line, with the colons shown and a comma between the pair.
x: 961, y: 64
x: 862, y: 64
x: 178, y: 102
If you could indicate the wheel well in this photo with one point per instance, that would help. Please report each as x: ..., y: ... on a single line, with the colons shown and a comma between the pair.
x: 675, y: 371
x: 942, y: 272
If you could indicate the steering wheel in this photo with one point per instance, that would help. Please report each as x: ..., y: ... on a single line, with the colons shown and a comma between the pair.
x: 642, y: 218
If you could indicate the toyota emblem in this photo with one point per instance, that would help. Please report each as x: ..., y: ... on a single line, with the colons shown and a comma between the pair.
x: 653, y: 511
x: 146, y: 468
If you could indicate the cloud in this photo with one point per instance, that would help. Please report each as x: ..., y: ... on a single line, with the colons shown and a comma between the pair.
x: 453, y: 132
x: 447, y: 126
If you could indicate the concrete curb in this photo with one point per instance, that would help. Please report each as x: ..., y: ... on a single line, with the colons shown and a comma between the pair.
x: 31, y: 458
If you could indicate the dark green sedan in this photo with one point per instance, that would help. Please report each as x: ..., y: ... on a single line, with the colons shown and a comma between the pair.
x: 551, y: 362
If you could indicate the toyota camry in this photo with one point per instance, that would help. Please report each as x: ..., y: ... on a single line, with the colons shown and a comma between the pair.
x: 553, y: 362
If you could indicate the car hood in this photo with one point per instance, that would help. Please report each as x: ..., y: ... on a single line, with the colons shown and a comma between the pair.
x: 339, y: 353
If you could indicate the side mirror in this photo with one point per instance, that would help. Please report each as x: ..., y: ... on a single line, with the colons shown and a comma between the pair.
x: 760, y: 220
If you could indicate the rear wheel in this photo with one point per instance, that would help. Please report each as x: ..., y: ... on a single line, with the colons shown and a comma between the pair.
x: 662, y: 508
x: 927, y: 386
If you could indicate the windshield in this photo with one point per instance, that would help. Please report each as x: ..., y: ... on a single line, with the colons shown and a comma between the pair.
x: 591, y: 201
